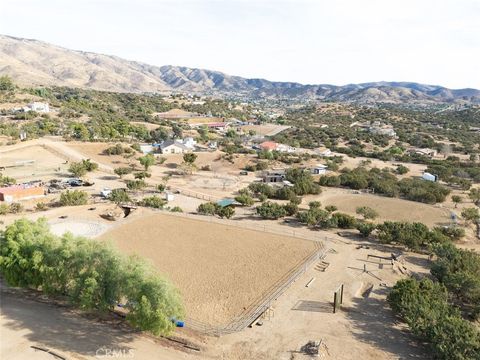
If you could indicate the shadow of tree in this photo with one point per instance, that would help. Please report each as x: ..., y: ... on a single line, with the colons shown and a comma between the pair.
x: 374, y: 323
x: 59, y: 328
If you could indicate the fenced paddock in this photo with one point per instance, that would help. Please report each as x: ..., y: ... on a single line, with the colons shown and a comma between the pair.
x: 228, y: 275
x: 264, y: 301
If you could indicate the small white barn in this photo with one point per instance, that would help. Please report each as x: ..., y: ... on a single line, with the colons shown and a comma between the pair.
x: 319, y: 169
x: 429, y: 177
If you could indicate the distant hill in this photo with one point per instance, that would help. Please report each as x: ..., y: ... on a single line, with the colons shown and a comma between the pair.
x: 33, y: 62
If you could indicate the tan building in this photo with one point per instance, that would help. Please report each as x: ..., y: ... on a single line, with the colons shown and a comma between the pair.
x: 21, y: 192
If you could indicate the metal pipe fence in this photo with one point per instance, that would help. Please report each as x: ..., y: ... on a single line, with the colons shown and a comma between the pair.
x: 264, y: 301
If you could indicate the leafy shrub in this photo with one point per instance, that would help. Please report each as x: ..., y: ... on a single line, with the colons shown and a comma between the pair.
x: 153, y: 202
x: 365, y: 228
x: 208, y: 208
x: 344, y: 221
x: 367, y: 212
x: 136, y: 184
x: 270, y: 210
x: 15, y: 208
x: 425, y: 308
x: 244, y: 199
x: 225, y: 212
x: 89, y: 274
x: 4, y: 209
x: 73, y: 198
x: 121, y: 171
x: 119, y: 196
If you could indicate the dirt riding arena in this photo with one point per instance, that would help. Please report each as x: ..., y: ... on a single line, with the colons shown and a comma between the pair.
x: 220, y: 270
x: 32, y: 163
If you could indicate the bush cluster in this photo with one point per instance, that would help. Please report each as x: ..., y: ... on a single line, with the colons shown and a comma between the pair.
x: 424, y: 305
x: 385, y: 183
x: 88, y: 273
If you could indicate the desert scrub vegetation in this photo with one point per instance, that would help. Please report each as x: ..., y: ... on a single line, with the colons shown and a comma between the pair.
x: 439, y: 311
x: 89, y: 274
x: 73, y: 198
x: 211, y: 208
x: 80, y: 168
x: 382, y: 181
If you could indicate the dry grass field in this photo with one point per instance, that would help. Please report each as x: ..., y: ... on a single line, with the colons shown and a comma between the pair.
x: 265, y: 129
x: 388, y: 208
x: 220, y: 270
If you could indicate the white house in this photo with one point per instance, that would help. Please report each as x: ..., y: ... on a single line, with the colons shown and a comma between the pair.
x: 37, y: 107
x: 319, y: 169
x: 189, y: 142
x: 173, y: 147
x: 285, y: 148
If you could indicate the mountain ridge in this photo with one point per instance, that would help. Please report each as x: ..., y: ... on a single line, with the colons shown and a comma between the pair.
x: 33, y: 62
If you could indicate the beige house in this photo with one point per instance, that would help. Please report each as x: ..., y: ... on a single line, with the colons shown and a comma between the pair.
x: 174, y: 147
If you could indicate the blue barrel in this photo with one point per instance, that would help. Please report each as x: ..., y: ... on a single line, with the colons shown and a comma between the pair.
x: 179, y: 323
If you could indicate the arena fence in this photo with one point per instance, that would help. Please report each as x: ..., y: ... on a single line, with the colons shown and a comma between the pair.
x: 264, y: 301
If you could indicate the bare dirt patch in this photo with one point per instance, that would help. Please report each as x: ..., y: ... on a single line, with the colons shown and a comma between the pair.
x: 220, y: 270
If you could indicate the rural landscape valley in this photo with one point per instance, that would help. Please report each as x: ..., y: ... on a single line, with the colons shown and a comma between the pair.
x: 172, y: 212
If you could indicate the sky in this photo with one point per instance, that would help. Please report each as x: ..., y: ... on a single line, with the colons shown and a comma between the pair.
x: 308, y: 41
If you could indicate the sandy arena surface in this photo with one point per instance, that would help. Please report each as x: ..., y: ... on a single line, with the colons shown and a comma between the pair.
x: 220, y: 270
x: 45, y: 164
x: 78, y: 227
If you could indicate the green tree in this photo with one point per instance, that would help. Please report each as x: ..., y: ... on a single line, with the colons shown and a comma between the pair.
x: 470, y: 214
x: 474, y: 194
x: 73, y: 198
x: 89, y: 165
x: 77, y: 169
x: 367, y: 212
x: 457, y: 199
x: 136, y: 184
x: 141, y: 175
x: 15, y: 208
x: 122, y: 171
x: 331, y: 208
x: 153, y: 202
x: 344, y: 221
x: 6, y: 180
x: 365, y: 228
x: 402, y: 170
x: 189, y: 158
x: 244, y: 199
x: 119, y: 196
x: 6, y: 83
x: 208, y: 208
x: 89, y: 274
x: 225, y: 212
x: 147, y: 161
x: 270, y: 210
